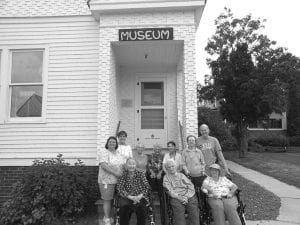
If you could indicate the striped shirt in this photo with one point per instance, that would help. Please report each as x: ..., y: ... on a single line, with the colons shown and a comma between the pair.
x: 179, y: 184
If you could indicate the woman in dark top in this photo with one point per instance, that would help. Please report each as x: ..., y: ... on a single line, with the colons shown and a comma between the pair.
x: 155, y: 169
x: 134, y: 190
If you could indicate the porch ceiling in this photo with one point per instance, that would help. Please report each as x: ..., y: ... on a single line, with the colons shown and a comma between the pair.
x: 148, y: 53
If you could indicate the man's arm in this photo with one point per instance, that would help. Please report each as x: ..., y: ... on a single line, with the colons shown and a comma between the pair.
x: 220, y: 156
x: 222, y: 159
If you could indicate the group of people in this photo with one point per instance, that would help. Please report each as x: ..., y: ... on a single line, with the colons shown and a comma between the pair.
x: 134, y: 175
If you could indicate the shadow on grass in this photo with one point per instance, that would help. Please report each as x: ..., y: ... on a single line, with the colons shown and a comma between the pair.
x: 260, y: 203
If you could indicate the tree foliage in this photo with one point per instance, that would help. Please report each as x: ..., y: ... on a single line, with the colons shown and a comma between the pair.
x: 250, y: 75
x: 293, y: 114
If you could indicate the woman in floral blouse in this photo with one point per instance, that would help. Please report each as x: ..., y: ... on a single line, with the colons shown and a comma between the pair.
x: 221, y: 197
x: 134, y: 190
x: 111, y: 164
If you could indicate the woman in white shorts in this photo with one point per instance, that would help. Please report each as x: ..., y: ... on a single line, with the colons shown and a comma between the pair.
x: 111, y: 164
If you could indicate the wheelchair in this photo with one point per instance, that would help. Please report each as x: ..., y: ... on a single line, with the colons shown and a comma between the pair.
x: 207, y: 218
x: 205, y: 215
x: 149, y: 211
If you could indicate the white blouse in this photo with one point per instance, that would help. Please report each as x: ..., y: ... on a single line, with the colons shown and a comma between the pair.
x: 125, y: 151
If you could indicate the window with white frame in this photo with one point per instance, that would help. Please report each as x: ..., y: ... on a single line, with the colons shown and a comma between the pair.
x: 26, y: 83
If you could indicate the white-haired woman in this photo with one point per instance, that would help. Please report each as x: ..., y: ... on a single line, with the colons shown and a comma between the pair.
x: 182, y: 195
x: 133, y: 188
x: 221, y: 197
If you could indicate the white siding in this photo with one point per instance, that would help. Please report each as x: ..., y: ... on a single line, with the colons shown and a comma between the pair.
x: 71, y: 108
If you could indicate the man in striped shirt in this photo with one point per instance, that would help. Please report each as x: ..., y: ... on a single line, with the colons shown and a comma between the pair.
x: 183, y: 197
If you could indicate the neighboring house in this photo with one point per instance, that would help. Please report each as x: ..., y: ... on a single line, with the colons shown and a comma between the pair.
x: 212, y: 104
x: 275, y: 123
x: 70, y: 71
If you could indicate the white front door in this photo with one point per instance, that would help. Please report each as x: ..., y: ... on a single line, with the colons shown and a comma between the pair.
x: 151, y: 111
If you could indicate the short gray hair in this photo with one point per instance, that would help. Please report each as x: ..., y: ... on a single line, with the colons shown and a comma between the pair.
x: 169, y: 162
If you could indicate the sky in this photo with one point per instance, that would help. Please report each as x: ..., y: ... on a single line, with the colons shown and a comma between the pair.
x: 282, y: 25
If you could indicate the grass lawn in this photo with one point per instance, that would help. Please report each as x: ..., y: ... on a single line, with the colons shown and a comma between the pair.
x: 283, y: 166
x: 260, y: 203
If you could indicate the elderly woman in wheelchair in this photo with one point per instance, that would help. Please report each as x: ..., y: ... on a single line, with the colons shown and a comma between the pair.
x: 134, y: 191
x: 182, y: 196
x: 221, y: 197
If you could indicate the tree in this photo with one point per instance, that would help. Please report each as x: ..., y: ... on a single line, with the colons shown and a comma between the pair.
x: 248, y: 72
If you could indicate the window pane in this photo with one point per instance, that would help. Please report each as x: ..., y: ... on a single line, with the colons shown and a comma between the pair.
x: 26, y: 101
x: 152, y: 119
x: 267, y: 124
x: 275, y: 123
x: 27, y: 67
x: 152, y: 93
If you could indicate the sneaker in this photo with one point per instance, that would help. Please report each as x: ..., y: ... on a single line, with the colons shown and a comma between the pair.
x: 106, y: 221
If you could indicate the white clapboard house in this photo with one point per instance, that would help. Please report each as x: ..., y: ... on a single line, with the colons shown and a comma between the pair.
x: 72, y: 72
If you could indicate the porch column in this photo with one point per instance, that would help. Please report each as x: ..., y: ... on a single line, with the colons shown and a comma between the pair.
x: 187, y: 83
x: 107, y: 117
x: 190, y: 83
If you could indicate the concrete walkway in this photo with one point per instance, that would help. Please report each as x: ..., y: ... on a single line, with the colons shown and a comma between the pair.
x: 289, y: 213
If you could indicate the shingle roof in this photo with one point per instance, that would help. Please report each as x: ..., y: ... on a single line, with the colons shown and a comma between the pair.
x: 36, y: 8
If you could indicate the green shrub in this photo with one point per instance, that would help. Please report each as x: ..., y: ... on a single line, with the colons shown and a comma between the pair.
x: 294, y: 141
x: 52, y: 192
x: 271, y: 139
x: 218, y: 128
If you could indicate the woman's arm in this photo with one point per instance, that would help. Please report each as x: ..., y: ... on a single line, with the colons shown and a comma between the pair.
x: 130, y: 151
x: 110, y: 169
x: 232, y: 190
x: 164, y: 168
x: 164, y: 163
x: 207, y: 189
x: 121, y: 187
x: 184, y: 167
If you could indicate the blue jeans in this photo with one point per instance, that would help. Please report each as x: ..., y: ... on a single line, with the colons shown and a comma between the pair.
x: 179, y: 211
x: 226, y: 207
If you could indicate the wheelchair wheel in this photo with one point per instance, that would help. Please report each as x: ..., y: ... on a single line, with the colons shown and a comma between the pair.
x: 116, y: 210
x: 166, y: 212
x: 241, y: 208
